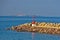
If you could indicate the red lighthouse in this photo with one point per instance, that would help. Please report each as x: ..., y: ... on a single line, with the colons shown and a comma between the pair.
x: 33, y: 22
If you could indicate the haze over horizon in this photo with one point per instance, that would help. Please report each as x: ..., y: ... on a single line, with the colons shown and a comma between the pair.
x: 30, y: 7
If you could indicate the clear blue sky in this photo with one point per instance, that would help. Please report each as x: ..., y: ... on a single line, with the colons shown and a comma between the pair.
x: 30, y: 7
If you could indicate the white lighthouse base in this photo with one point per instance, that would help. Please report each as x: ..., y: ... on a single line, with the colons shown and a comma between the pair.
x: 33, y: 24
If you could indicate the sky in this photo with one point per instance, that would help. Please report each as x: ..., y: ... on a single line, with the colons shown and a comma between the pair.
x: 30, y: 7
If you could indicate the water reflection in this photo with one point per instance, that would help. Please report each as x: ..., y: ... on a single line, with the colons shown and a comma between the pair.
x: 33, y: 35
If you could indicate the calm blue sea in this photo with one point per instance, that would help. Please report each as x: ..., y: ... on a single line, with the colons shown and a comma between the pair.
x: 8, y: 21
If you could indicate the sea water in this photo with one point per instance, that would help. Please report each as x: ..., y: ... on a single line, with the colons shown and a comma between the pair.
x: 8, y: 21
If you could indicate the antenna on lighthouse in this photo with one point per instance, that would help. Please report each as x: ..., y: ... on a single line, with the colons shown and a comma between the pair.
x: 33, y: 18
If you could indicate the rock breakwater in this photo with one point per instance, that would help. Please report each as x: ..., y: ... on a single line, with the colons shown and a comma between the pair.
x: 49, y: 28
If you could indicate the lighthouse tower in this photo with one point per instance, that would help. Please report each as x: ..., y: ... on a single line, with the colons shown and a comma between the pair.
x: 33, y: 22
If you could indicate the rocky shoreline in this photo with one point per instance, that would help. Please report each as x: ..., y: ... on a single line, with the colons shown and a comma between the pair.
x: 28, y: 28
